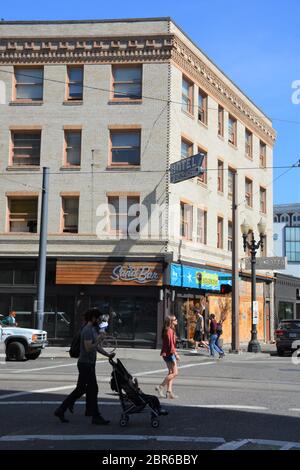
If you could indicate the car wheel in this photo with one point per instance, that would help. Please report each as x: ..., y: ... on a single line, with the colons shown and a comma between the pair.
x: 33, y: 355
x: 15, y: 351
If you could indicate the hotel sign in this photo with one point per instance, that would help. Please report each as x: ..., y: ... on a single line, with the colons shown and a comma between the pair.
x: 186, y: 168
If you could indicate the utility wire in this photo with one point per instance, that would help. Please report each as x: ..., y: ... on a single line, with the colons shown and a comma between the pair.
x: 164, y: 100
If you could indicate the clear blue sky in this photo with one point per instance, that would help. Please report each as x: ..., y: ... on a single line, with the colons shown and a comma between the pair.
x: 256, y: 43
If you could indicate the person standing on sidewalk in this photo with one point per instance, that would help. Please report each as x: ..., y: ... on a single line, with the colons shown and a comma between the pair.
x: 87, y: 380
x: 199, y: 333
x: 170, y: 356
x: 213, y: 337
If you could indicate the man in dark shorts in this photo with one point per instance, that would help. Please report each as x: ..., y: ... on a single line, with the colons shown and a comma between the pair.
x: 87, y: 380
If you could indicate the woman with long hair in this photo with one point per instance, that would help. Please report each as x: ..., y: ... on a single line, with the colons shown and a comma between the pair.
x: 170, y: 356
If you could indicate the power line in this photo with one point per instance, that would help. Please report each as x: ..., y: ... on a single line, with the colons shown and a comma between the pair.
x: 106, y: 90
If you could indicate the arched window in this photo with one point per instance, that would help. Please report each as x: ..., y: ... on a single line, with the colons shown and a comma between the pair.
x: 275, y: 219
x: 284, y: 218
x: 296, y: 219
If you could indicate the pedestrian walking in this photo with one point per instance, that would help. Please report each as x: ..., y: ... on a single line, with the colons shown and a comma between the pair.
x: 170, y: 356
x: 199, y: 333
x: 87, y: 380
x: 213, y: 337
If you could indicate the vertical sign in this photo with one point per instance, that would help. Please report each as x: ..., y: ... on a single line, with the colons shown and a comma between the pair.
x: 255, y: 312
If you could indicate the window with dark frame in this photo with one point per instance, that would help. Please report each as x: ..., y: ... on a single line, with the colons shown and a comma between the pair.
x: 72, y: 147
x: 125, y: 148
x: 23, y: 214
x: 119, y: 219
x: 26, y: 148
x: 248, y: 144
x: 220, y: 121
x: 186, y: 148
x: 262, y: 154
x: 75, y: 83
x: 263, y: 200
x: 29, y: 83
x: 249, y: 192
x: 186, y: 221
x: 187, y: 96
x: 70, y: 208
x: 220, y: 232
x: 220, y: 176
x: 232, y: 130
x: 127, y: 82
x: 202, y: 107
x: 203, y: 177
x: 201, y: 226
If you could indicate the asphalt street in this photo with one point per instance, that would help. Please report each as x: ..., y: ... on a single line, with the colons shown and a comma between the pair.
x: 241, y: 402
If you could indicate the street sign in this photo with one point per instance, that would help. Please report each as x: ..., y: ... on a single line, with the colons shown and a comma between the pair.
x: 186, y: 168
x: 255, y: 313
x: 267, y: 263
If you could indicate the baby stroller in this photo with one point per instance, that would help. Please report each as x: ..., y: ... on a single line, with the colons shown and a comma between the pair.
x: 132, y: 399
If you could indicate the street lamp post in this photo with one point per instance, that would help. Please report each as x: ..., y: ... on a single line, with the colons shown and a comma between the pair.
x: 253, y: 246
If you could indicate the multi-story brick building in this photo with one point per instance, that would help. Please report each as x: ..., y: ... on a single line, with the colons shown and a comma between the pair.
x: 107, y: 106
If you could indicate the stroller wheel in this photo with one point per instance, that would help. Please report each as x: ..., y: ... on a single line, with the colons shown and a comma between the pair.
x: 154, y: 422
x: 124, y: 421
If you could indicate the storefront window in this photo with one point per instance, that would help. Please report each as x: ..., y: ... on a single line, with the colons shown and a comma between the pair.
x: 23, y: 305
x: 6, y: 276
x: 185, y: 311
x: 285, y: 311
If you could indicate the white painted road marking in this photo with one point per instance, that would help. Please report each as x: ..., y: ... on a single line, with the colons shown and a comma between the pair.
x: 44, y: 390
x: 116, y: 403
x: 41, y: 368
x: 140, y: 374
x: 110, y: 437
x: 233, y: 445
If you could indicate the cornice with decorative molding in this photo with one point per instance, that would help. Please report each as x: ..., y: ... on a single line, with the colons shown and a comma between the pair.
x: 142, y: 49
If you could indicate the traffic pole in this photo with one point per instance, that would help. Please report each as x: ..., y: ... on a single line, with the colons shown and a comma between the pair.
x: 43, y: 249
x: 235, y: 342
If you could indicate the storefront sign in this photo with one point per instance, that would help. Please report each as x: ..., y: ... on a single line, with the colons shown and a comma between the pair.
x: 139, y: 274
x: 108, y: 273
x: 267, y: 262
x: 195, y: 278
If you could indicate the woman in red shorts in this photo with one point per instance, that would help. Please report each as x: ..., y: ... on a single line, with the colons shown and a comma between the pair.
x: 170, y: 356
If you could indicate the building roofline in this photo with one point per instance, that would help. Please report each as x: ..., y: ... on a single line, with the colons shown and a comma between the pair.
x: 140, y: 20
x: 120, y: 20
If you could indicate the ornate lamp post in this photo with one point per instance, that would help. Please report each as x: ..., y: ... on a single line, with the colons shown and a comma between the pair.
x: 253, y: 246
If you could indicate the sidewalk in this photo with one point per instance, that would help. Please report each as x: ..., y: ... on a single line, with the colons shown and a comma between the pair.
x: 146, y: 354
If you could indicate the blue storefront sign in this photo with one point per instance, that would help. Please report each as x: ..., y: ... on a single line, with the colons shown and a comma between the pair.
x: 197, y: 278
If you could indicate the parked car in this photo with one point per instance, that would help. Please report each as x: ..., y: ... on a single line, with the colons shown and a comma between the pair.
x: 22, y: 343
x: 287, y: 335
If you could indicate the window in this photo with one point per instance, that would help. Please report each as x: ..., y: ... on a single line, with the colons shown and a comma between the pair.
x: 23, y: 214
x: 186, y: 219
x: 220, y: 232
x: 127, y: 82
x: 123, y: 214
x: 263, y: 200
x: 26, y: 148
x: 220, y: 176
x: 262, y: 154
x: 201, y: 226
x: 220, y: 121
x: 249, y: 192
x: 230, y: 183
x: 75, y: 83
x: 232, y: 135
x: 229, y: 246
x: 203, y: 177
x: 275, y: 219
x: 248, y: 144
x: 70, y: 207
x: 187, y: 95
x: 284, y: 218
x: 29, y: 83
x: 296, y: 219
x: 72, y: 148
x: 125, y: 148
x: 292, y: 244
x: 202, y: 107
x: 186, y: 148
